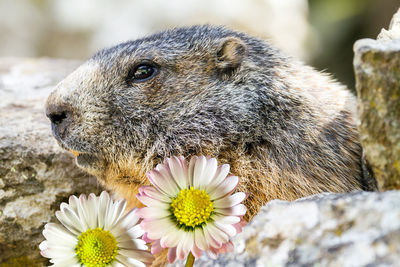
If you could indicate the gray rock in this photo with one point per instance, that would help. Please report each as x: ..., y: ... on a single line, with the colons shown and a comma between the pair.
x: 355, y: 229
x: 377, y: 68
x: 35, y: 174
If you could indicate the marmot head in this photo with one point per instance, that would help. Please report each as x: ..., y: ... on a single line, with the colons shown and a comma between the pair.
x: 182, y: 91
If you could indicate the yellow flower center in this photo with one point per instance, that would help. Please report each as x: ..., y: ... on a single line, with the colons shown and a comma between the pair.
x: 192, y: 207
x: 96, y: 248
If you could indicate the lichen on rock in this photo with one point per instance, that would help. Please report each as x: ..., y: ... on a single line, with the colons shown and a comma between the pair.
x: 377, y: 69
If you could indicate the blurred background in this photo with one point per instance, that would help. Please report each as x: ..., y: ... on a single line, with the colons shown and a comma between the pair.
x: 319, y: 32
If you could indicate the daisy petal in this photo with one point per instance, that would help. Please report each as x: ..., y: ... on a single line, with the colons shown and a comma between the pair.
x: 68, y: 262
x: 148, y: 201
x: 238, y: 210
x: 211, y: 241
x: 57, y: 252
x: 91, y: 211
x: 157, y: 228
x: 213, y: 253
x: 156, y: 248
x: 76, y: 203
x: 57, y: 233
x: 129, y: 262
x: 117, y: 264
x: 226, y: 219
x: 181, y: 250
x: 172, y: 255
x: 209, y: 173
x: 229, y: 201
x: 163, y: 181
x: 226, y: 228
x: 129, y: 220
x: 226, y: 187
x: 216, y: 233
x: 152, y: 213
x: 154, y: 193
x: 140, y: 255
x: 133, y: 244
x: 172, y: 238
x: 220, y: 174
x: 200, y: 239
x: 179, y: 171
x: 196, y: 251
x: 136, y: 231
x: 67, y: 223
x: 198, y: 172
x: 104, y: 199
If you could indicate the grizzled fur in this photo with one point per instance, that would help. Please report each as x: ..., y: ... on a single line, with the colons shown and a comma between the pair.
x: 286, y: 130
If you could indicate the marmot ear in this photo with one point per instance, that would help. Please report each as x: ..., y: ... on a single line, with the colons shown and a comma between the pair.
x: 230, y: 54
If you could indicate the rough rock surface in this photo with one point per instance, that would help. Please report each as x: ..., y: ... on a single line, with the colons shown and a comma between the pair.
x: 35, y: 174
x: 377, y: 69
x: 356, y: 229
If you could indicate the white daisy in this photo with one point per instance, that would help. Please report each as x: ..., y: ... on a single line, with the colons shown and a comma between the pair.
x: 95, y: 232
x: 190, y: 208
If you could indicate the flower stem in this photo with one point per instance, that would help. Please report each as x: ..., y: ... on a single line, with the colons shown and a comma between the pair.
x: 189, y: 260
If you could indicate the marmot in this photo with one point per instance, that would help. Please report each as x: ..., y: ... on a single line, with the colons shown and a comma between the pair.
x: 287, y: 130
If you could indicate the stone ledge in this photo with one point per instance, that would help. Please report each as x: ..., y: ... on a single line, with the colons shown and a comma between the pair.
x: 35, y: 173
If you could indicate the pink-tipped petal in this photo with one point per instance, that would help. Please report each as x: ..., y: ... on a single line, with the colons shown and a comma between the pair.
x: 226, y: 228
x: 172, y: 238
x: 152, y: 213
x: 172, y: 255
x: 180, y: 249
x: 211, y: 241
x: 212, y: 253
x: 151, y: 202
x: 200, y: 239
x: 220, y: 175
x: 154, y: 193
x: 196, y: 251
x: 179, y: 171
x: 163, y: 181
x: 140, y: 255
x: 208, y: 173
x: 156, y: 248
x: 229, y: 201
x: 226, y: 219
x: 146, y: 238
x: 192, y: 165
x: 238, y: 210
x: 217, y: 234
x: 157, y: 228
x: 226, y: 187
x: 198, y: 174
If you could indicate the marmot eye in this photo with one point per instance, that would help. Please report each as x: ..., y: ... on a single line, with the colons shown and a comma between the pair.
x: 143, y: 72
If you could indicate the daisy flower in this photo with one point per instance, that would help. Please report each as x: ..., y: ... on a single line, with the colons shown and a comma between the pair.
x: 191, y: 209
x: 95, y: 232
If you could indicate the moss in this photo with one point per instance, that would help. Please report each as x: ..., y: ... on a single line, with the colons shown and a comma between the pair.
x: 22, y: 261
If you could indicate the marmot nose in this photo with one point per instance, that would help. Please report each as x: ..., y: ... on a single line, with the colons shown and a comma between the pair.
x: 57, y: 117
x: 57, y: 113
x: 60, y: 117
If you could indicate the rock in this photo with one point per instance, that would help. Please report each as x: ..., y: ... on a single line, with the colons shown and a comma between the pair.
x: 36, y: 175
x: 355, y: 229
x: 377, y: 68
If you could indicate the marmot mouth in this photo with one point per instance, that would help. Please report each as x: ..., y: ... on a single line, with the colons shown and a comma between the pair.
x: 83, y: 159
x: 74, y: 152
